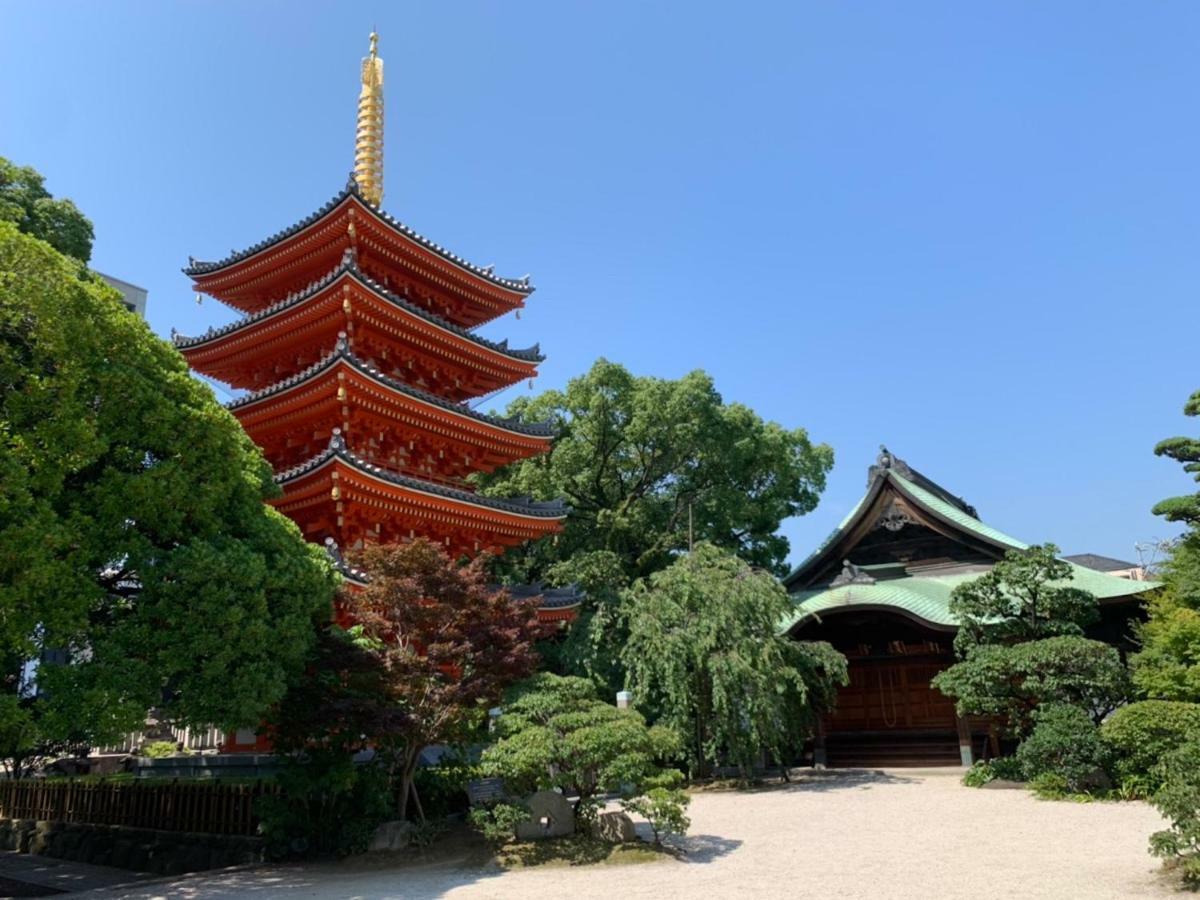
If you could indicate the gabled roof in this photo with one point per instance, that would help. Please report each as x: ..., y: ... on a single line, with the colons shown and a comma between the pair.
x: 337, y: 450
x: 924, y: 493
x: 197, y: 268
x: 349, y: 268
x: 343, y: 353
x: 922, y: 593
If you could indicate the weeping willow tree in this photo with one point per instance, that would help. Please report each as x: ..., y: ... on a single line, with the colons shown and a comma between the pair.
x: 705, y: 657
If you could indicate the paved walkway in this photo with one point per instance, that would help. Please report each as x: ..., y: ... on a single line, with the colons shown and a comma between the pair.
x: 901, y: 834
x: 58, y: 875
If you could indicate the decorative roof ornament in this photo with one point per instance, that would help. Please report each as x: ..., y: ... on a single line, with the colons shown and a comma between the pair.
x: 887, y: 460
x: 851, y: 574
x: 368, y: 143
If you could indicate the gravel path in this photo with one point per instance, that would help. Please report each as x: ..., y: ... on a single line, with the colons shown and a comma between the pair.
x: 866, y: 835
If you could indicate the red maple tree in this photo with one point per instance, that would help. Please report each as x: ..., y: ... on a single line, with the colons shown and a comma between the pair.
x: 450, y: 645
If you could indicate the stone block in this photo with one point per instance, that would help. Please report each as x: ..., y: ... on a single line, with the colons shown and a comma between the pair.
x: 390, y: 836
x: 614, y: 827
x: 550, y: 816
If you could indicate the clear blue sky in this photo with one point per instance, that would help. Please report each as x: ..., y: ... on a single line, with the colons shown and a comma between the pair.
x: 966, y: 230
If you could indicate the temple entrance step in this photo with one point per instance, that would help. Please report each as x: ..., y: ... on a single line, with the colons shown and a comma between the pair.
x: 892, y: 749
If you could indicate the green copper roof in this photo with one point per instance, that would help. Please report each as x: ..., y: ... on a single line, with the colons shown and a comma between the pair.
x: 949, y: 511
x: 927, y: 597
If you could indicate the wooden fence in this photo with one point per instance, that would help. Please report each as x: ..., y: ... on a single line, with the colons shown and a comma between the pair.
x: 165, y: 805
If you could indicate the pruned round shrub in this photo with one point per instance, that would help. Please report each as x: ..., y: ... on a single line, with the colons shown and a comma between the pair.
x: 1065, y: 742
x: 1141, y: 734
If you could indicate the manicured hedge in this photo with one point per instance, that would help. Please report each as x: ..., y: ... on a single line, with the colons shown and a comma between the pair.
x: 1141, y: 734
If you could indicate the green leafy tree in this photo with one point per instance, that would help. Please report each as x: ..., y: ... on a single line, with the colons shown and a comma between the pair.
x: 25, y: 202
x: 330, y: 804
x: 1168, y: 666
x: 137, y: 558
x: 1024, y: 597
x: 1021, y: 644
x: 705, y: 657
x: 1185, y: 450
x: 556, y: 732
x: 1179, y: 802
x: 644, y: 461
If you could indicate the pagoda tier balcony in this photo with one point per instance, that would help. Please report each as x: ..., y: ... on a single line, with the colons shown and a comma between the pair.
x: 406, y: 263
x: 339, y: 495
x: 383, y: 421
x: 398, y: 338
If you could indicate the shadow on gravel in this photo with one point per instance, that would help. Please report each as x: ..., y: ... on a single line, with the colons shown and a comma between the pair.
x: 815, y: 781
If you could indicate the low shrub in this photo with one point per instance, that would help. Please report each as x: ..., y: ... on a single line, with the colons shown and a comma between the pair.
x: 160, y: 749
x: 1178, y: 799
x: 1004, y: 768
x: 1141, y: 734
x: 663, y: 805
x: 443, y: 787
x: 498, y: 822
x: 1065, y: 742
x: 328, y: 807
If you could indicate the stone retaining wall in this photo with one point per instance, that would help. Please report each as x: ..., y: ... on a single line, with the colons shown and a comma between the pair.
x: 139, y: 849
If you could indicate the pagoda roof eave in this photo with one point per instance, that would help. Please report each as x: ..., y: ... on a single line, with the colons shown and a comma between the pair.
x: 198, y: 269
x: 343, y: 354
x: 339, y: 452
x: 349, y: 268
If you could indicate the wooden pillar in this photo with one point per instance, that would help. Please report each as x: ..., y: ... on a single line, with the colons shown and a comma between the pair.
x: 964, y: 742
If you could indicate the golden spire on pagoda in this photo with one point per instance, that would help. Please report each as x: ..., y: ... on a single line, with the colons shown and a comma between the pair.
x: 368, y: 145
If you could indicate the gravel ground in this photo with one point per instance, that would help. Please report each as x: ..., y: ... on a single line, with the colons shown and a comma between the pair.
x: 901, y: 834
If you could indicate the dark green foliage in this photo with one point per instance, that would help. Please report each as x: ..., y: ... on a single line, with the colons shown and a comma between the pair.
x: 1021, y: 644
x: 328, y: 806
x: 1168, y: 665
x: 1185, y: 450
x: 134, y: 541
x: 634, y: 455
x: 1026, y: 596
x: 26, y: 203
x: 1065, y: 742
x: 443, y: 787
x: 705, y: 658
x: 1003, y: 768
x: 1141, y: 734
x: 1179, y: 801
x: 555, y: 732
x: 1013, y: 681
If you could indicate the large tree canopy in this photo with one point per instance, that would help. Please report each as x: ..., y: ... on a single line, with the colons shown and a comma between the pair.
x: 134, y: 542
x: 642, y: 461
x: 25, y: 202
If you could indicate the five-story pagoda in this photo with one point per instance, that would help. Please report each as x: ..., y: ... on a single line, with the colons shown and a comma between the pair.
x: 357, y: 350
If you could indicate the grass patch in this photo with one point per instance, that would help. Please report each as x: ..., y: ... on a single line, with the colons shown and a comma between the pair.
x: 577, y: 850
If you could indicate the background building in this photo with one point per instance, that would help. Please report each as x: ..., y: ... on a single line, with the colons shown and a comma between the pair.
x: 134, y: 296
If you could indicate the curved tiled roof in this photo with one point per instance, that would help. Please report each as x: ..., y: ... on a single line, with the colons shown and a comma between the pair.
x: 342, y: 351
x: 196, y: 267
x: 349, y: 266
x: 521, y: 506
x: 927, y: 597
